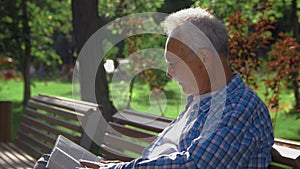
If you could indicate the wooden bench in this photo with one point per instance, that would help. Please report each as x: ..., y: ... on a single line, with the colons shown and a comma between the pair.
x: 45, y: 118
x: 130, y: 131
x: 124, y: 139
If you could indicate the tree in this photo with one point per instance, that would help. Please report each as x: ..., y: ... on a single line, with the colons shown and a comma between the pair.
x: 26, y: 34
x: 295, y: 20
x: 17, y: 43
x: 26, y: 57
x: 85, y: 22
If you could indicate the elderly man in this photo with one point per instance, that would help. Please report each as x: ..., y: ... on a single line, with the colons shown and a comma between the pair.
x: 225, y: 124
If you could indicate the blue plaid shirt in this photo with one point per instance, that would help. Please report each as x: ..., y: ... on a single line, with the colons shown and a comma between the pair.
x: 238, y: 134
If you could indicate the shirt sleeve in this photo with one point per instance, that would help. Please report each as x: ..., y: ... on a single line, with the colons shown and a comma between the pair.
x: 228, y: 146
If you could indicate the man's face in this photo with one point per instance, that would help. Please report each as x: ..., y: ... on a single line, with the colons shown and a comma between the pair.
x: 181, y: 67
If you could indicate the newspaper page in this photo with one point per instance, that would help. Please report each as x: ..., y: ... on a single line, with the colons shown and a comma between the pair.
x: 66, y: 154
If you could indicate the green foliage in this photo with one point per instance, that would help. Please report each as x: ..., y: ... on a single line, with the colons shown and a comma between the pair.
x: 46, y: 17
x: 9, y: 25
x: 119, y: 8
x: 253, y: 9
x: 283, y: 70
x: 250, y: 9
x: 108, y: 11
x: 246, y: 38
x: 153, y: 78
x: 225, y: 8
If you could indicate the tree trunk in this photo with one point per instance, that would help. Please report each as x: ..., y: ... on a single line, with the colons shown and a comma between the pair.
x: 297, y: 94
x: 27, y: 54
x: 295, y: 23
x: 85, y: 23
x: 295, y: 28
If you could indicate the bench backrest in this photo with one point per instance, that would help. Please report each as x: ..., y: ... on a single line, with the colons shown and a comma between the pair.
x: 45, y: 118
x: 129, y: 133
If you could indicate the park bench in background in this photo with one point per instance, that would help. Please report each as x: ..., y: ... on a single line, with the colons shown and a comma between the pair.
x: 44, y: 119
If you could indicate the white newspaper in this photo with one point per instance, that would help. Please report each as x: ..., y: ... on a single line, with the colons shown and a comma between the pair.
x: 65, y: 154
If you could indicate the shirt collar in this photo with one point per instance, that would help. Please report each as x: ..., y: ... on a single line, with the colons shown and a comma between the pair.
x: 204, y: 100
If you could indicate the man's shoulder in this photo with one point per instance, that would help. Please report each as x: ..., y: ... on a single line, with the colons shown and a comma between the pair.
x: 244, y: 99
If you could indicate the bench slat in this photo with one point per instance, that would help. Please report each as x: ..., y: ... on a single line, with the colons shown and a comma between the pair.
x: 63, y: 104
x: 55, y: 110
x: 72, y: 101
x: 18, y: 150
x: 5, y: 161
x: 118, y: 142
x: 34, y: 143
x: 27, y: 148
x: 49, y: 128
x: 53, y: 120
x: 287, y: 143
x: 37, y: 133
x: 140, y: 135
x: 16, y: 157
x: 147, y: 115
x: 147, y: 124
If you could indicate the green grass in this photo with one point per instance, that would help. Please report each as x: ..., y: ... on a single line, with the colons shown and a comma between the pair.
x: 13, y: 91
x: 286, y: 126
x: 168, y: 104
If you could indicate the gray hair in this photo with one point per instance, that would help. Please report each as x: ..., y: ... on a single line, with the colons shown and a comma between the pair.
x: 194, y: 21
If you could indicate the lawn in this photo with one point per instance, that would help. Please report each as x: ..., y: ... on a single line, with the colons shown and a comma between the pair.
x: 13, y: 91
x: 171, y: 102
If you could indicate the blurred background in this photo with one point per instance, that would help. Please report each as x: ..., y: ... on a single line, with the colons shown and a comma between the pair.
x: 41, y: 40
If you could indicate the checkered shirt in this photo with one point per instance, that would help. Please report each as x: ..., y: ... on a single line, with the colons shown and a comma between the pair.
x: 238, y: 134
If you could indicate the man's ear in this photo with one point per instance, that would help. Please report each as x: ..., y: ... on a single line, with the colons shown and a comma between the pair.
x: 205, y: 55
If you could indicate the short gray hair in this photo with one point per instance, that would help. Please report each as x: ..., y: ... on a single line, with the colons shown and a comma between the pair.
x: 207, y: 25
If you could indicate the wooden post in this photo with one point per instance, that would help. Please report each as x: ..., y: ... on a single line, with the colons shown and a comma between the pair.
x: 5, y: 121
